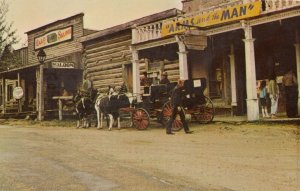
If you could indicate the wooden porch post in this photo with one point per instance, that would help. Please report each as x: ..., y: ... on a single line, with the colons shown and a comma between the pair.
x: 41, y: 94
x: 19, y: 100
x: 136, y: 73
x: 3, y: 96
x: 233, y: 80
x: 252, y: 101
x: 183, y: 65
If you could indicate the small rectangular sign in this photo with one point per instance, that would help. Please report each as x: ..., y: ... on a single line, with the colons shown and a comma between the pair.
x: 53, y: 37
x: 197, y: 83
x: 62, y: 65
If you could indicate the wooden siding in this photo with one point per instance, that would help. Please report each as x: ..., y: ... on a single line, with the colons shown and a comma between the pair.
x: 57, y: 50
x: 22, y: 53
x: 105, y: 60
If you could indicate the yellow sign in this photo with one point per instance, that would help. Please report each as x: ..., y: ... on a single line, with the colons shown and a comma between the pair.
x: 237, y: 12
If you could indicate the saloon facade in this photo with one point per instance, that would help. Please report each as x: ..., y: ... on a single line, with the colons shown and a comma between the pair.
x: 40, y: 82
x: 232, y: 44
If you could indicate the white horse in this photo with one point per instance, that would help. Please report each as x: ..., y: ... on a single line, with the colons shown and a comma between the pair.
x: 110, y: 105
x: 103, y: 99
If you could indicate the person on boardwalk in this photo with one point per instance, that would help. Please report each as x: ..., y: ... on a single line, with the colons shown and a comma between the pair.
x: 274, y: 94
x: 176, y: 102
x: 289, y: 81
x: 263, y: 98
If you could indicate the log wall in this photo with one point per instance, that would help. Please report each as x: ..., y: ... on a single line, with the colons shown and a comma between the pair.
x: 105, y: 59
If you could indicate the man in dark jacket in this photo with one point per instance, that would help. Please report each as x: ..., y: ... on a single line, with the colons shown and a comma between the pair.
x: 176, y: 102
x: 164, y: 78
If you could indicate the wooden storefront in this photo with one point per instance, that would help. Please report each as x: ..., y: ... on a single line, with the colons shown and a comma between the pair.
x: 61, y: 72
x: 108, y: 55
x: 242, y: 47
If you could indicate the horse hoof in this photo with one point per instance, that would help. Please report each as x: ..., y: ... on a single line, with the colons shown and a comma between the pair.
x: 99, y: 128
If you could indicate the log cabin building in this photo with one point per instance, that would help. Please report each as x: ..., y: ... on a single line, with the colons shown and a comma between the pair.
x: 108, y: 57
x: 232, y: 44
x: 61, y: 72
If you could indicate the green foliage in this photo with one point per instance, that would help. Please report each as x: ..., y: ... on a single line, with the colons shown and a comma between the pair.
x: 9, y: 59
x: 7, y: 38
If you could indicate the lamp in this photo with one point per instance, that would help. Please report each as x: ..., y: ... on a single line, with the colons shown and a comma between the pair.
x: 41, y: 56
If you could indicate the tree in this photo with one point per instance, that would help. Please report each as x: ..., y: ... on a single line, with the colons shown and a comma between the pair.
x: 7, y: 38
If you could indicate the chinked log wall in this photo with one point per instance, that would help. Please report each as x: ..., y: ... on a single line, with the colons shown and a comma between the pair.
x: 171, y: 67
x: 105, y: 60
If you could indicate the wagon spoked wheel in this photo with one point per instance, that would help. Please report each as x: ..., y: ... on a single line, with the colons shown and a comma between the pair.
x: 140, y: 119
x: 205, y: 112
x: 166, y: 114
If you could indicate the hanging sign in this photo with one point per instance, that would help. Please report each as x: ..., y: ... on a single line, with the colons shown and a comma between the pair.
x: 194, y: 39
x: 214, y: 17
x: 18, y: 93
x: 53, y: 37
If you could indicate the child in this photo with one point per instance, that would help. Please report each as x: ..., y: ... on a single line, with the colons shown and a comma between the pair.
x: 263, y: 98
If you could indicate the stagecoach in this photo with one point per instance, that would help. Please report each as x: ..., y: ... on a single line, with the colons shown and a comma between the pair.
x: 156, y: 104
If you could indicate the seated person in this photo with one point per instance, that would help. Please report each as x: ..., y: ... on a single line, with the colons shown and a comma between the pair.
x: 146, y: 82
x: 164, y: 78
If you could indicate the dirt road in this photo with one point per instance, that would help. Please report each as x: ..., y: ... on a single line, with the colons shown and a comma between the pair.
x: 258, y: 157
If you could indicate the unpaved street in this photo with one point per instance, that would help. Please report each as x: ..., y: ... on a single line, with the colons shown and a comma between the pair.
x: 258, y: 157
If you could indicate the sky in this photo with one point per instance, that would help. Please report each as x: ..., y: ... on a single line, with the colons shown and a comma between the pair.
x: 98, y: 14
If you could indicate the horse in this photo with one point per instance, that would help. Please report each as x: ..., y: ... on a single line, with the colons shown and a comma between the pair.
x: 84, y: 102
x: 109, y: 105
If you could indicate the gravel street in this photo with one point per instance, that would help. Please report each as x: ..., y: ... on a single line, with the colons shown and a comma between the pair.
x: 217, y: 157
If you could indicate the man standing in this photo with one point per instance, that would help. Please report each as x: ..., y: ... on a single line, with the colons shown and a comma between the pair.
x: 289, y: 82
x: 176, y: 102
x: 274, y: 94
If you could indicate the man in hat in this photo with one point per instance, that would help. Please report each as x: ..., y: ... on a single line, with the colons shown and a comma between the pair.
x: 164, y: 78
x: 176, y: 102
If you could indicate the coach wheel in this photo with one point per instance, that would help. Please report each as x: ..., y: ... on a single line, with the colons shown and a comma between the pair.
x: 166, y: 113
x: 140, y: 119
x: 205, y: 112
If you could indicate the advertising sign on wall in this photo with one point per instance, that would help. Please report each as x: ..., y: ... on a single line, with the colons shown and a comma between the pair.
x: 214, y: 17
x: 53, y: 37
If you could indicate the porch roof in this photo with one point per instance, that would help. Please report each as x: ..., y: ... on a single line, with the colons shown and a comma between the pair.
x: 19, y: 68
x: 141, y: 21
